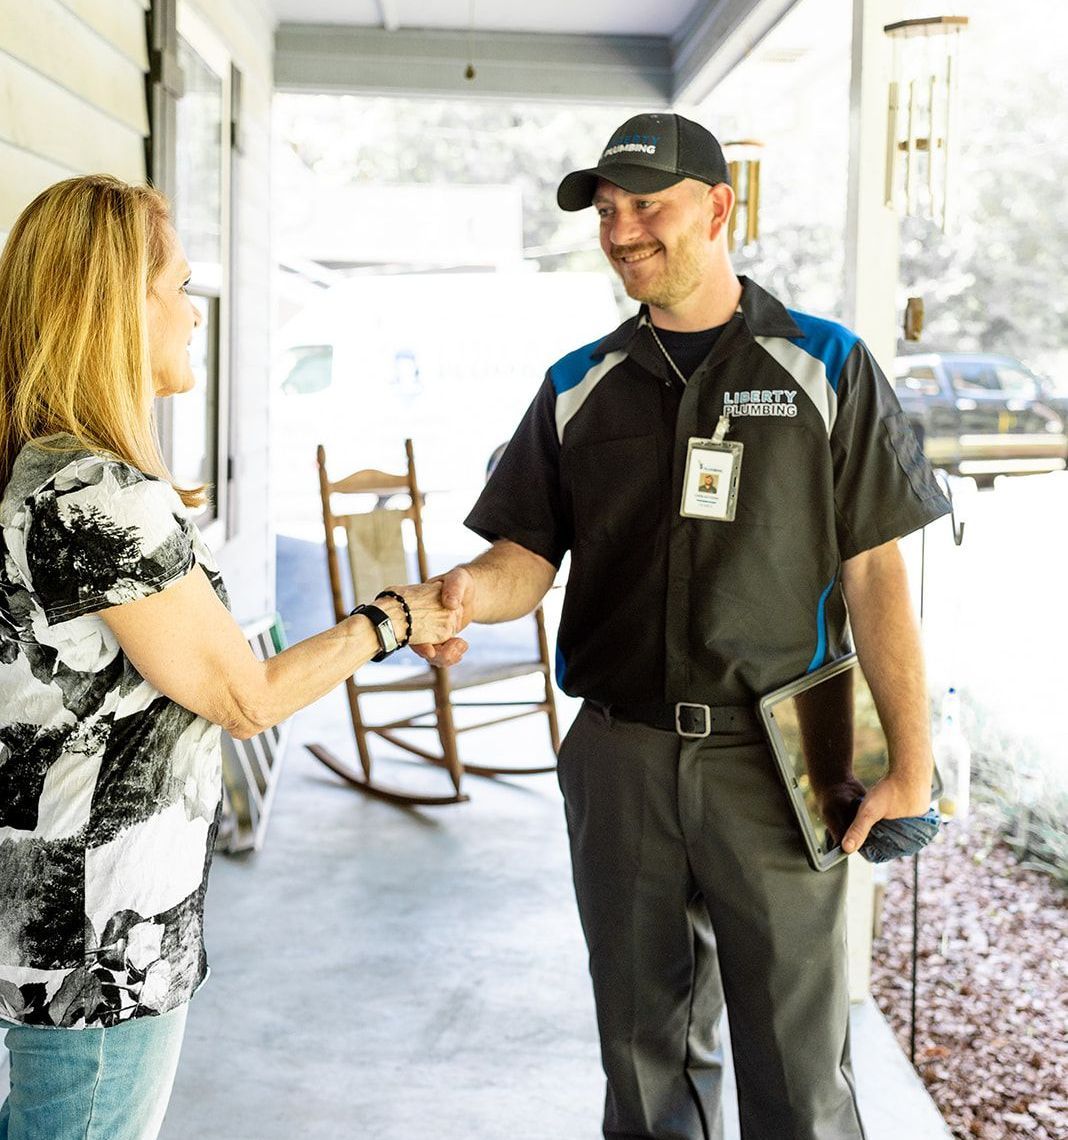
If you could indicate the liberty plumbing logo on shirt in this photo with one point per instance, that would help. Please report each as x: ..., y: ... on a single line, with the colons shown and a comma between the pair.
x: 761, y: 402
x: 631, y: 144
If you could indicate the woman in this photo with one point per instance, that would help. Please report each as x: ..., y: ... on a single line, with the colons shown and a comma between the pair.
x: 119, y: 662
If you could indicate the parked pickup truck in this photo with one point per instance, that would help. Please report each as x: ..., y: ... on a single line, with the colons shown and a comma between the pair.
x: 979, y: 414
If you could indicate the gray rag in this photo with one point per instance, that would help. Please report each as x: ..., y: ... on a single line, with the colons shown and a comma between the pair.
x: 896, y: 838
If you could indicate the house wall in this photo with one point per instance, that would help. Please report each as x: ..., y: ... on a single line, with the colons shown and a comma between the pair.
x: 72, y: 95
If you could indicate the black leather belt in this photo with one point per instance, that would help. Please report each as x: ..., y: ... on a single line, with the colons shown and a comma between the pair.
x: 689, y: 720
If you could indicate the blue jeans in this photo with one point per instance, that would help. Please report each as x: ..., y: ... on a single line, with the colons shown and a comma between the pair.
x: 92, y: 1084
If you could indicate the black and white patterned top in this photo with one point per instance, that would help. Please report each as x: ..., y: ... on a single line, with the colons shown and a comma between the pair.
x: 109, y: 791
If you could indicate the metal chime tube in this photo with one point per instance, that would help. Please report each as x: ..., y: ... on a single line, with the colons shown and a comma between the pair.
x: 891, y: 144
x: 752, y: 205
x: 734, y: 173
x: 934, y: 142
x: 947, y: 152
x: 910, y: 147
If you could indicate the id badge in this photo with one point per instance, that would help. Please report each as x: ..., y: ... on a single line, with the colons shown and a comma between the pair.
x: 710, y: 486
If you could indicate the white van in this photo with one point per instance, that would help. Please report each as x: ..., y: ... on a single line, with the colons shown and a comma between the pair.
x: 450, y: 360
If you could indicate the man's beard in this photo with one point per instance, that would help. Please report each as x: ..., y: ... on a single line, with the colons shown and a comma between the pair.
x: 676, y: 281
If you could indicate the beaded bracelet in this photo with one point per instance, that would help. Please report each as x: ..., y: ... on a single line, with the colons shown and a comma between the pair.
x: 401, y: 643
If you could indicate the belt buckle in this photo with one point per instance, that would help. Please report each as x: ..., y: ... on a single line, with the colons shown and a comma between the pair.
x: 690, y: 709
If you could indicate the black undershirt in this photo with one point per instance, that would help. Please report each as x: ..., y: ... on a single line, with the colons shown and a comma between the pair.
x: 688, y: 349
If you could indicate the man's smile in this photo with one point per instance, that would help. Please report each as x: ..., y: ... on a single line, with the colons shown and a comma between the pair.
x: 633, y: 256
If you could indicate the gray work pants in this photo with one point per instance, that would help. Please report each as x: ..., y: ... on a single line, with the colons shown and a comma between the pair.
x: 672, y: 840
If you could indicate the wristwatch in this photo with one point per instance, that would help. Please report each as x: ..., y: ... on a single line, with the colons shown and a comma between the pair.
x: 387, y: 639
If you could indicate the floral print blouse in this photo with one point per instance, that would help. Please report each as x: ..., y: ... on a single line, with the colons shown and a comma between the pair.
x: 109, y: 790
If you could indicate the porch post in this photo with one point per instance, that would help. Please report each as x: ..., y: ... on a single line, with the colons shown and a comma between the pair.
x: 871, y: 277
x: 871, y: 263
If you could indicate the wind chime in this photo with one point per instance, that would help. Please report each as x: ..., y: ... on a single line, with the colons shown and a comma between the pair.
x: 743, y: 166
x: 469, y: 70
x: 921, y: 116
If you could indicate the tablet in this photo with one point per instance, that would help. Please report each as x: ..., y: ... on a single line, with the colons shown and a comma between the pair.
x: 821, y: 727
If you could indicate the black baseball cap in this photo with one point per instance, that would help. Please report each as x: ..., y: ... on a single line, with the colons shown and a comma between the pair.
x: 646, y: 154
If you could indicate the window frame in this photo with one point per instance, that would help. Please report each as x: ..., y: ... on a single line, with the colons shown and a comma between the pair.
x: 209, y: 46
x: 169, y: 20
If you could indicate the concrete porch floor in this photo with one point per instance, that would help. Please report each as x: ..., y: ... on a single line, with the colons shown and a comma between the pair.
x: 387, y: 974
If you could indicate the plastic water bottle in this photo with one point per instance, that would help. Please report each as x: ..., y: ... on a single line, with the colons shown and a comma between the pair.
x: 953, y: 755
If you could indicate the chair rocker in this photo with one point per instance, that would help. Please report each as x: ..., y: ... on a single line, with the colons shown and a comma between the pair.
x: 376, y: 561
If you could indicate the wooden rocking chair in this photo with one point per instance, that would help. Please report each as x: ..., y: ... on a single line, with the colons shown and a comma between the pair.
x: 374, y: 536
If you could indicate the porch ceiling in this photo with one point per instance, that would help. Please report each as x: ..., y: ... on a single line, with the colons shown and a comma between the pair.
x: 610, y: 51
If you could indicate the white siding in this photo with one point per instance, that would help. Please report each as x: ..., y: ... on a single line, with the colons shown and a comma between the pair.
x: 247, y: 28
x: 72, y: 96
x: 25, y: 175
x: 120, y: 23
x: 42, y: 118
x: 101, y: 62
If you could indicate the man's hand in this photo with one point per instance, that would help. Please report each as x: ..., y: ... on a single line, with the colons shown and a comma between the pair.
x: 888, y: 645
x: 501, y: 584
x: 838, y: 804
x: 433, y: 618
x: 892, y: 797
x: 457, y: 595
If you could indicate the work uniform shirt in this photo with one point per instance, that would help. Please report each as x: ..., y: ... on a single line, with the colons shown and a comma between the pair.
x: 661, y: 607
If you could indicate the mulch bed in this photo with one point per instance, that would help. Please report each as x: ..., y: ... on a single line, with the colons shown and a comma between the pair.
x: 992, y: 1010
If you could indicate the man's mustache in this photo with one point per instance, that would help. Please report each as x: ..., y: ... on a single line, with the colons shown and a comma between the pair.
x: 618, y: 251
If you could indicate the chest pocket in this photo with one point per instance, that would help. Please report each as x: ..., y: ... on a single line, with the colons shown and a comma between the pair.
x: 614, y: 487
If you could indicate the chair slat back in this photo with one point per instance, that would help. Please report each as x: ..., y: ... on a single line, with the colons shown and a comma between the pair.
x: 376, y: 551
x: 379, y: 564
x: 370, y: 482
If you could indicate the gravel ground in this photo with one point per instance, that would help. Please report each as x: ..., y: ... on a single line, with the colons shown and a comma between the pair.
x: 992, y: 1010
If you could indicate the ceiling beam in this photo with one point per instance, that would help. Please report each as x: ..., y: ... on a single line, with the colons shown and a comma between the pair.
x: 716, y: 38
x: 631, y: 70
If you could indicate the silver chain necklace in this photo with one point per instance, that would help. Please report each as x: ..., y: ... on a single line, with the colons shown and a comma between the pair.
x: 667, y: 355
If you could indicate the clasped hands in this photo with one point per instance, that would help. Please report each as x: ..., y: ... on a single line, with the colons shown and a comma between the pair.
x: 440, y: 609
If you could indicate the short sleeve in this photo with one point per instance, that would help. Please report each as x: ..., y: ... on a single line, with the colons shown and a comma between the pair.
x: 522, y: 500
x: 884, y: 487
x: 101, y: 533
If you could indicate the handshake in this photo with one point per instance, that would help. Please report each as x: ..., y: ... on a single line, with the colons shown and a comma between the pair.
x: 501, y: 584
x: 440, y: 609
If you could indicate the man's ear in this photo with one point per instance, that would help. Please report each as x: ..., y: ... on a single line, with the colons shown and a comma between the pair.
x: 720, y: 199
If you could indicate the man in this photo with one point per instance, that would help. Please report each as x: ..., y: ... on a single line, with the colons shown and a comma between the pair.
x: 680, y: 612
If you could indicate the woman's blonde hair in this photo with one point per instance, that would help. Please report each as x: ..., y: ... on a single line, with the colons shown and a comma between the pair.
x: 74, y: 279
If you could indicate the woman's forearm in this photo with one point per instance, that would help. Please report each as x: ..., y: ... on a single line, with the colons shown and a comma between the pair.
x: 185, y: 643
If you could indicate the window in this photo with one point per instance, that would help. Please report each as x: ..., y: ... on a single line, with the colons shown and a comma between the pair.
x: 917, y: 380
x: 1017, y: 381
x: 308, y: 368
x: 991, y: 376
x: 195, y: 415
x: 972, y: 376
x: 198, y: 421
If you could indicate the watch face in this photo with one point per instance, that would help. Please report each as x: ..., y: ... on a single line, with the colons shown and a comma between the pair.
x: 386, y: 637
